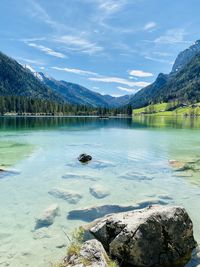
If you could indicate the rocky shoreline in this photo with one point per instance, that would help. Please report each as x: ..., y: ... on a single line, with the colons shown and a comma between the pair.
x: 154, y: 236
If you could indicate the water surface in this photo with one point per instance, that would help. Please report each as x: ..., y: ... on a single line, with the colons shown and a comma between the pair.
x: 130, y: 160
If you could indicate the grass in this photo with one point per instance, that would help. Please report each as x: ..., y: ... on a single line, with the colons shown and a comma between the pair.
x: 162, y: 109
x: 76, y: 241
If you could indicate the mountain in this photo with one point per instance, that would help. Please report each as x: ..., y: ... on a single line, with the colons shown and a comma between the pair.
x: 24, y: 81
x: 181, y: 84
x: 77, y: 94
x: 74, y: 93
x: 117, y: 101
x: 147, y: 95
x: 184, y: 86
x: 185, y: 56
x: 15, y: 80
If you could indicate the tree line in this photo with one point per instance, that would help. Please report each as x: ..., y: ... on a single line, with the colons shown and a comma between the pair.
x: 31, y: 106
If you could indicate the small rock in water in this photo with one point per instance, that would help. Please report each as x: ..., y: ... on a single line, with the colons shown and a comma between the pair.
x: 99, y: 191
x: 4, y: 172
x: 84, y: 158
x: 41, y: 233
x: 70, y: 196
x: 48, y: 217
x: 70, y: 176
x: 92, y: 213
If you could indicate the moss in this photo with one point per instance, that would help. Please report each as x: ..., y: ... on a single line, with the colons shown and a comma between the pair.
x: 58, y: 265
x: 73, y: 249
x: 86, y: 262
x: 111, y: 263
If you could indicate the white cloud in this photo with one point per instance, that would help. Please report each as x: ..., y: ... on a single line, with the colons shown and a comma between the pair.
x: 140, y: 73
x: 47, y: 50
x: 79, y: 43
x: 111, y: 6
x: 127, y: 89
x: 160, y: 60
x: 171, y: 37
x: 119, y: 81
x: 150, y: 25
x: 36, y: 10
x: 30, y: 61
x: 76, y: 71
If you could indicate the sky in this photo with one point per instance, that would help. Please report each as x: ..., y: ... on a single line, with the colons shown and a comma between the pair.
x: 113, y: 47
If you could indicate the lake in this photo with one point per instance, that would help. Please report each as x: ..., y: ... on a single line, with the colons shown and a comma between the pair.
x: 133, y: 159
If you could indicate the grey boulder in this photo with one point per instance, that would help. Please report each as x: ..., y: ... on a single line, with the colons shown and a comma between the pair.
x: 91, y: 254
x: 154, y: 236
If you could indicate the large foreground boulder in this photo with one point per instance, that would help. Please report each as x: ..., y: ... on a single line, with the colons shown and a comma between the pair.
x: 154, y: 236
x: 91, y: 253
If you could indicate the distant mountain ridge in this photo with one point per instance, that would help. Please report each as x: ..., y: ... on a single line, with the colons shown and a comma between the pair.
x: 181, y: 84
x: 23, y: 81
x: 77, y: 94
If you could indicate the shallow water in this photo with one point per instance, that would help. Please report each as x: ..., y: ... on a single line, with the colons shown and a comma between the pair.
x: 130, y: 159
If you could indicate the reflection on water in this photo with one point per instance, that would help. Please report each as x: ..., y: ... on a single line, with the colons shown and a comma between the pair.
x: 23, y: 123
x: 168, y: 121
x: 132, y: 159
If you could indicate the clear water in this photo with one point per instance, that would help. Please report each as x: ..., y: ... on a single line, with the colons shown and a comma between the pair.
x: 130, y: 159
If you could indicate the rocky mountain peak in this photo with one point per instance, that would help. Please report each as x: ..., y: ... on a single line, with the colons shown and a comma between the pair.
x: 186, y: 56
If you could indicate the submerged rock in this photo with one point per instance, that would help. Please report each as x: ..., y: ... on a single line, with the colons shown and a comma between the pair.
x: 135, y: 176
x: 193, y: 166
x: 84, y: 158
x: 48, y: 217
x: 4, y: 172
x: 90, y: 253
x: 72, y: 176
x: 176, y: 164
x: 92, y: 213
x: 154, y: 236
x: 99, y: 191
x: 70, y: 196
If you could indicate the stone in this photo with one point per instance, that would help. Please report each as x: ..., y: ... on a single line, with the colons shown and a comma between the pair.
x: 5, y: 173
x: 48, y: 217
x: 154, y: 236
x: 84, y: 158
x: 135, y: 176
x: 95, y: 212
x: 71, y: 176
x: 99, y: 191
x: 70, y: 196
x: 91, y: 254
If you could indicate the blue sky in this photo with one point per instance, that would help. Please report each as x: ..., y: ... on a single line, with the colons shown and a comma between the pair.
x: 109, y: 46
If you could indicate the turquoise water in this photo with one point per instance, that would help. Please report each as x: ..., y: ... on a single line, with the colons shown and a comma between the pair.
x: 130, y: 160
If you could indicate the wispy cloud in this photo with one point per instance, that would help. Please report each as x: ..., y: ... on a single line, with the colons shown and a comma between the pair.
x: 150, y: 25
x: 47, y: 50
x: 172, y: 36
x: 76, y: 71
x: 39, y: 12
x: 30, y: 61
x: 160, y: 60
x: 111, y: 6
x: 119, y: 81
x: 127, y: 89
x: 78, y: 43
x: 140, y: 73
